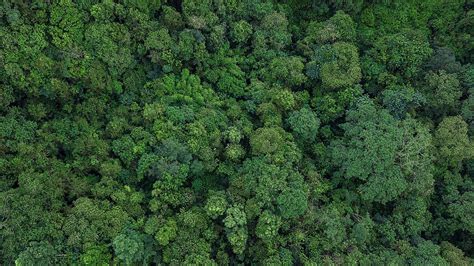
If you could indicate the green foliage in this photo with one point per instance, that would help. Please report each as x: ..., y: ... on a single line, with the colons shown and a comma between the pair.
x: 129, y: 247
x: 453, y: 255
x: 399, y: 54
x: 235, y: 223
x: 343, y: 69
x: 275, y: 144
x: 166, y: 233
x: 96, y: 255
x: 379, y: 151
x: 339, y: 27
x: 241, y: 32
x: 267, y: 226
x: 42, y: 253
x: 402, y: 100
x: 452, y: 141
x: 273, y: 32
x: 444, y: 91
x: 286, y: 70
x: 216, y: 204
x: 304, y: 124
x: 292, y: 203
x: 236, y: 132
x: 427, y: 253
x: 144, y: 6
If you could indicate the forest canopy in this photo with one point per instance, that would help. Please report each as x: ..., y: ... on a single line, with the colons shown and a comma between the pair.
x: 239, y: 132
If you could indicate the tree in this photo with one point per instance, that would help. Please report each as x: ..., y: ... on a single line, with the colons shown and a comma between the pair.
x: 286, y: 70
x: 41, y: 253
x: 235, y: 223
x: 268, y: 226
x: 131, y: 247
x: 274, y: 143
x: 162, y: 49
x: 293, y: 201
x: 338, y: 28
x: 443, y: 91
x: 216, y: 204
x: 144, y: 6
x: 443, y: 58
x: 91, y: 222
x: 236, y: 132
x: 378, y: 151
x: 401, y: 53
x: 343, y: 70
x: 198, y: 14
x: 402, y: 100
x: 426, y: 252
x: 467, y: 111
x: 241, y: 32
x: 111, y: 43
x: 96, y: 255
x: 273, y: 32
x: 304, y: 124
x: 452, y: 141
x: 225, y: 73
x: 453, y: 255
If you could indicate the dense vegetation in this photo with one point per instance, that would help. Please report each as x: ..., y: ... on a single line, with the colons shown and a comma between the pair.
x: 236, y: 132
